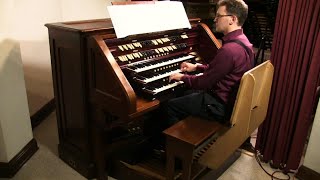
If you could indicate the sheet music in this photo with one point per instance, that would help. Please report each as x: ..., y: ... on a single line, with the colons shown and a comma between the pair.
x: 146, y: 18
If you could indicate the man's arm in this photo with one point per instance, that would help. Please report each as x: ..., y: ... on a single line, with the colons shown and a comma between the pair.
x: 218, y: 68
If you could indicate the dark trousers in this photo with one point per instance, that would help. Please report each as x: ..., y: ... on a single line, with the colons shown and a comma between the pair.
x: 200, y: 104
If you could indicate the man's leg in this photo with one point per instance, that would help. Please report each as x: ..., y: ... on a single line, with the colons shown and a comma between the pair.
x: 181, y: 107
x: 195, y: 104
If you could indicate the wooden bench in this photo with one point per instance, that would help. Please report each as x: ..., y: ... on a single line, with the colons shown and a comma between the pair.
x: 212, y: 143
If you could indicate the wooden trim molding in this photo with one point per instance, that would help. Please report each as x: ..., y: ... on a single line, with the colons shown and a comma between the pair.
x: 305, y: 173
x: 42, y: 113
x: 8, y: 170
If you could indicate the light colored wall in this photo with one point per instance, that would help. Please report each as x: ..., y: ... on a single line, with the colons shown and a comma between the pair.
x: 24, y: 50
x: 312, y: 157
x: 33, y: 37
x: 84, y: 9
x: 28, y: 18
x: 25, y: 21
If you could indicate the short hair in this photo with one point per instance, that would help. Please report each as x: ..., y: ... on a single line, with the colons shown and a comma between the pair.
x: 237, y: 8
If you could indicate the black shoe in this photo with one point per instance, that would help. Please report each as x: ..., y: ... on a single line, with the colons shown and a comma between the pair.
x: 248, y: 147
x: 159, y: 153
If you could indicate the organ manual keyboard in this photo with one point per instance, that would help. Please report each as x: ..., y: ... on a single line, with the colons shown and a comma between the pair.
x: 106, y: 87
x: 148, y: 63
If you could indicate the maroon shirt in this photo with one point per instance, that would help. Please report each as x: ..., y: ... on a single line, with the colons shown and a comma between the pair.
x: 225, y: 70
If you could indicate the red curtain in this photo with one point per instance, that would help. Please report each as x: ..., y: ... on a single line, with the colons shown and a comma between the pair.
x: 296, y: 58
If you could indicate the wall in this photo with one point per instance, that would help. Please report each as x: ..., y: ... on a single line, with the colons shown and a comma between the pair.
x: 24, y: 50
x: 24, y: 22
x: 312, y: 157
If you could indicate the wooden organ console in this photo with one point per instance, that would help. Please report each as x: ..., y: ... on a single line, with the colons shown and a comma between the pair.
x: 106, y: 88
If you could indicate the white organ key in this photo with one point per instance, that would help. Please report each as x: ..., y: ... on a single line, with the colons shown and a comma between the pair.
x: 120, y: 58
x: 159, y: 41
x: 130, y: 46
x: 128, y: 56
x: 136, y: 44
x: 169, y: 86
x: 164, y: 39
x: 136, y: 55
x: 161, y: 76
x: 163, y: 64
x: 160, y: 49
x: 154, y: 42
x: 184, y: 36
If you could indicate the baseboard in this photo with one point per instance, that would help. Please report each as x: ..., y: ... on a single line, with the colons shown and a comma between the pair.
x: 305, y: 173
x: 42, y: 113
x: 8, y: 170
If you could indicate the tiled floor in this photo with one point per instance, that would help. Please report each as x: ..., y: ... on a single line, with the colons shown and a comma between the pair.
x: 46, y: 165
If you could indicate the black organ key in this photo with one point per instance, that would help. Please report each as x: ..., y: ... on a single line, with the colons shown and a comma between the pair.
x: 146, y: 43
x: 144, y: 54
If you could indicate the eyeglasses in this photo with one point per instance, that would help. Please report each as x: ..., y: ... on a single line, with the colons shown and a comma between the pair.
x: 219, y: 15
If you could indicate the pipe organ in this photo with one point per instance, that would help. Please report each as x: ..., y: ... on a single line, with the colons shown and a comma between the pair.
x: 106, y: 86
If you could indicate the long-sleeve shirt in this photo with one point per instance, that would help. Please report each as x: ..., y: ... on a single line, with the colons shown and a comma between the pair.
x: 223, y: 73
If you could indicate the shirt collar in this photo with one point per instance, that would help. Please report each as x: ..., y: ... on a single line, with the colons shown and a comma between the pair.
x: 232, y: 35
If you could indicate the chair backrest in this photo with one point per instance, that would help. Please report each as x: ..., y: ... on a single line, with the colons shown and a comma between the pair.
x: 242, y: 106
x: 253, y: 95
x: 249, y: 111
x: 263, y: 76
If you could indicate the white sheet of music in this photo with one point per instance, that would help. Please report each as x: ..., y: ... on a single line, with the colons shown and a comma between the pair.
x: 146, y: 18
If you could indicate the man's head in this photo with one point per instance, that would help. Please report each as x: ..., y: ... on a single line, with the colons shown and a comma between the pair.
x: 230, y: 15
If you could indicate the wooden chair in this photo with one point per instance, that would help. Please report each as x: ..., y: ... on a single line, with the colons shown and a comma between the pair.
x: 212, y: 143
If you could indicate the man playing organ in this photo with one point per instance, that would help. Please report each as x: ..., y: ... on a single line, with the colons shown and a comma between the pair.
x: 221, y: 76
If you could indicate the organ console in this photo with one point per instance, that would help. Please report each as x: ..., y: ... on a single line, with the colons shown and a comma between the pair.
x: 148, y: 63
x: 106, y: 88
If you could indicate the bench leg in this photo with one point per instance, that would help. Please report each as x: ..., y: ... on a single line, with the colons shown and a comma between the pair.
x: 184, y: 152
x: 186, y: 167
x: 170, y: 168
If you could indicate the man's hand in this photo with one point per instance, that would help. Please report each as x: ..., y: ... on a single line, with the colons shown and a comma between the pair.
x: 175, y: 76
x: 188, y: 67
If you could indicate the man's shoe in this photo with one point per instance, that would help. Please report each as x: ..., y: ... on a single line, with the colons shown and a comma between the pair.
x: 159, y: 152
x: 248, y: 147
